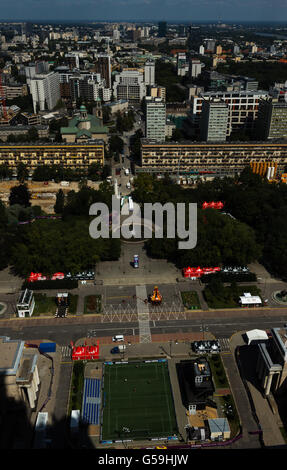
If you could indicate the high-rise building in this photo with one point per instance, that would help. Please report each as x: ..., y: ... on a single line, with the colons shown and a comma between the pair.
x: 149, y: 73
x: 210, y: 46
x: 201, y: 50
x: 103, y: 66
x: 129, y: 85
x: 236, y: 49
x: 162, y: 29
x: 45, y: 91
x: 243, y: 107
x: 195, y: 68
x: 155, y: 119
x: 272, y: 119
x: 213, y: 121
x: 182, y: 64
x: 116, y: 34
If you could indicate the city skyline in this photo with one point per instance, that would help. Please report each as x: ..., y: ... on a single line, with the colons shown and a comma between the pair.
x: 145, y: 10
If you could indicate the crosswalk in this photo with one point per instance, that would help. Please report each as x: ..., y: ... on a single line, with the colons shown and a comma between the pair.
x: 66, y: 352
x: 224, y: 344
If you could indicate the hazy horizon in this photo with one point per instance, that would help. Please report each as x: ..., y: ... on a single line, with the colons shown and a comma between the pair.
x: 145, y: 11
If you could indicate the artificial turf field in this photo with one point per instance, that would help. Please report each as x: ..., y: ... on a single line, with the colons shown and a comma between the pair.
x: 137, y: 401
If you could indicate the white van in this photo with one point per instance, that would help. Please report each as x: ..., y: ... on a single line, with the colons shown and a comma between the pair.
x: 118, y: 338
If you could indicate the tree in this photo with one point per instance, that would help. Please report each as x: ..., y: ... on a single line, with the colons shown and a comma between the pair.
x: 60, y: 202
x: 22, y: 172
x: 32, y: 134
x: 5, y: 171
x: 116, y: 144
x: 20, y: 195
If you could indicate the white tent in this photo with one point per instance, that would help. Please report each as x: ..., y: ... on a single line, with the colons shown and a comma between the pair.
x: 248, y: 299
x: 255, y: 335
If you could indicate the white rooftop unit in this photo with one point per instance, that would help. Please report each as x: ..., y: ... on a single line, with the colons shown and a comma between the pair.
x: 256, y: 335
x: 247, y: 299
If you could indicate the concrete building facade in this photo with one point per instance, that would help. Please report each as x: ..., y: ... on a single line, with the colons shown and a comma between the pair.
x: 129, y: 85
x: 272, y: 119
x: 45, y: 91
x: 155, y: 119
x: 214, y: 121
x: 208, y: 159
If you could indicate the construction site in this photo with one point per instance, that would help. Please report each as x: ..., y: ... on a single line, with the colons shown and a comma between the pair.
x: 43, y: 193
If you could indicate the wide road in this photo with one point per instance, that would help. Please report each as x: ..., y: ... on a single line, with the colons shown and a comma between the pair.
x: 62, y: 332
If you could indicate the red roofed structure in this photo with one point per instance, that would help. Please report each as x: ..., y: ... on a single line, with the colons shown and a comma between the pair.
x: 212, y: 205
x: 85, y: 353
x: 36, y: 277
x: 198, y: 272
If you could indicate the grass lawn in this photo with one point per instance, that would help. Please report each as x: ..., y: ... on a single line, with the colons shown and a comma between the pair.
x: 230, y: 413
x: 218, y: 372
x: 44, y: 305
x: 73, y: 304
x: 190, y: 300
x: 228, y: 298
x: 138, y: 402
x: 93, y: 304
x: 77, y: 386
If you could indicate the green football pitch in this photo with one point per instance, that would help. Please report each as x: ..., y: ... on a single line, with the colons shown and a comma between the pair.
x: 137, y: 402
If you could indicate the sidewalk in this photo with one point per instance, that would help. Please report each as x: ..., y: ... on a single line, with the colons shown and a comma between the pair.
x: 268, y: 421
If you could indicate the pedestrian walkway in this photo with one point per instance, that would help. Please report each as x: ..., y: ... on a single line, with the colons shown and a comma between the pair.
x: 143, y: 315
x: 224, y: 344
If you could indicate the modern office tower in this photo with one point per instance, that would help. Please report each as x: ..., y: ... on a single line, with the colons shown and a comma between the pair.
x: 157, y: 92
x: 201, y: 50
x: 155, y: 119
x: 103, y: 66
x: 182, y: 30
x: 45, y: 91
x: 129, y: 85
x: 195, y: 68
x: 210, y: 46
x: 162, y: 29
x: 243, y: 107
x: 145, y: 31
x: 272, y: 119
x: 149, y: 73
x: 213, y: 121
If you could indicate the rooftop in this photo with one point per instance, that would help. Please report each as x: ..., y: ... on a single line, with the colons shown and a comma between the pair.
x: 10, y: 355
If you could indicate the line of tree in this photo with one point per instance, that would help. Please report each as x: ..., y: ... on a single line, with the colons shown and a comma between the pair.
x: 47, y: 245
x: 258, y: 232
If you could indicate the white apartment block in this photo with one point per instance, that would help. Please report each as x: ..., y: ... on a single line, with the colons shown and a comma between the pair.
x: 45, y: 91
x: 149, y: 73
x: 129, y: 85
x: 195, y: 68
x: 243, y: 107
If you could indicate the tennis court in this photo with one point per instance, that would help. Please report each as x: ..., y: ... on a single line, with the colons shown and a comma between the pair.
x: 137, y: 402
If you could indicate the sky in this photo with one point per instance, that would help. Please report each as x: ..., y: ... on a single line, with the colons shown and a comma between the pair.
x: 144, y: 10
